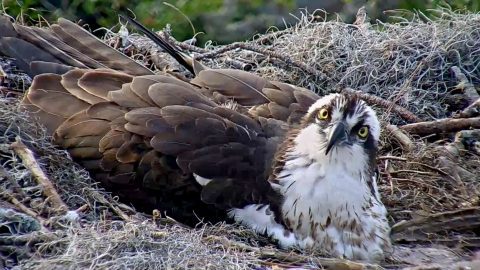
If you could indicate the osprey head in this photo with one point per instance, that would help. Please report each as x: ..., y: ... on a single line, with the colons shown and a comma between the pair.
x: 342, y: 124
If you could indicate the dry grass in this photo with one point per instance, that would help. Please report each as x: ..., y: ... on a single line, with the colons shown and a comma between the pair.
x: 407, y: 62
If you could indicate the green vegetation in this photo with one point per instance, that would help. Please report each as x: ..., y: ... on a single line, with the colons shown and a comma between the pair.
x: 221, y: 20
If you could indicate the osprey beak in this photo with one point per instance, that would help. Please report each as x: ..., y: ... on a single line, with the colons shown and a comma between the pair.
x: 337, y: 135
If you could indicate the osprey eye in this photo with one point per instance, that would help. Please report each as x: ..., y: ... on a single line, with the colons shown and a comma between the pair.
x: 363, y: 132
x: 322, y: 114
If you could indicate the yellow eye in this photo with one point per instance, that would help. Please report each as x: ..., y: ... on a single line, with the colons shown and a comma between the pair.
x: 363, y: 132
x: 322, y: 114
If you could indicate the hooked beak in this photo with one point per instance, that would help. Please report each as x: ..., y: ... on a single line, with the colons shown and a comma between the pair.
x: 338, y: 134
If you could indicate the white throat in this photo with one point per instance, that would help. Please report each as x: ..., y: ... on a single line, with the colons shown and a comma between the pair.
x: 312, y: 181
x: 327, y: 203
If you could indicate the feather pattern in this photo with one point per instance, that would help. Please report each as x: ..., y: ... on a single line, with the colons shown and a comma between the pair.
x: 225, y: 140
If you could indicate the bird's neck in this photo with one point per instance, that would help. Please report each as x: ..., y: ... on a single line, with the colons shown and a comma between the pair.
x: 306, y: 172
x: 323, y: 180
x: 306, y: 148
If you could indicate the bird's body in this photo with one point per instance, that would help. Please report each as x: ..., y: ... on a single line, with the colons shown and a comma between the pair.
x: 329, y: 202
x: 282, y: 161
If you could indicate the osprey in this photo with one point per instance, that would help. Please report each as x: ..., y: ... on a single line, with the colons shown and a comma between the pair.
x: 281, y: 161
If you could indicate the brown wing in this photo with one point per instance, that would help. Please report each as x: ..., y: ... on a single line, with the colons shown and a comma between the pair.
x: 267, y: 99
x: 145, y: 136
x: 147, y: 148
x: 65, y: 44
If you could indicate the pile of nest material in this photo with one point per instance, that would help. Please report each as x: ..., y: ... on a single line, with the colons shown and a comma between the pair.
x: 421, y: 74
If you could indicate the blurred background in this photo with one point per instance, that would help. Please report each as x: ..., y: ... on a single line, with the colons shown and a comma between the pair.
x: 223, y: 21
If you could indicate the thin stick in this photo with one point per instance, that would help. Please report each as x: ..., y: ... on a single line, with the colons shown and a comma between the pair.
x: 262, y: 40
x: 22, y: 207
x: 391, y: 158
x: 442, y: 126
x: 192, y: 48
x: 472, y: 110
x: 82, y: 208
x: 410, y: 171
x: 330, y: 263
x: 99, y: 197
x: 15, y: 186
x: 465, y: 84
x: 374, y: 100
x: 258, y: 49
x: 31, y: 163
x: 400, y: 137
x: 33, y: 237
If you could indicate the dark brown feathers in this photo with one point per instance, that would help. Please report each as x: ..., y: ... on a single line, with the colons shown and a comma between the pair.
x: 144, y: 136
x: 64, y: 43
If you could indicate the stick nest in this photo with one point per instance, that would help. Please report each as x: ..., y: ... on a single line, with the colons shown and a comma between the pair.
x: 430, y: 185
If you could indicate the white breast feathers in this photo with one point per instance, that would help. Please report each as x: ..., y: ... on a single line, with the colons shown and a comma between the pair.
x: 328, y: 204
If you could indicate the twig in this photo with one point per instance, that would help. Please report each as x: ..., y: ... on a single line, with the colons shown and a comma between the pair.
x: 442, y: 172
x: 184, y: 45
x: 467, y: 87
x: 410, y: 171
x: 328, y: 263
x: 273, y: 35
x: 472, y: 110
x: 400, y: 137
x: 192, y: 48
x: 374, y: 100
x: 31, y: 163
x: 100, y: 198
x: 239, y: 65
x: 15, y: 186
x: 33, y: 237
x: 459, y: 220
x: 82, y: 208
x: 442, y: 126
x: 392, y: 158
x: 22, y: 207
x: 258, y: 49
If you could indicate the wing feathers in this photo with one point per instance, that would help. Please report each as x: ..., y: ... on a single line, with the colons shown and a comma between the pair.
x: 125, y: 97
x: 167, y: 94
x: 96, y: 49
x: 243, y: 87
x: 24, y: 52
x: 47, y: 93
x: 70, y: 82
x: 100, y: 82
x: 145, y: 135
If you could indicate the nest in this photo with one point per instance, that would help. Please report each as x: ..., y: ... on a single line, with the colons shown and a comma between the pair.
x: 412, y: 71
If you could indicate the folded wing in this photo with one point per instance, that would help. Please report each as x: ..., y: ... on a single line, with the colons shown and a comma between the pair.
x: 145, y: 136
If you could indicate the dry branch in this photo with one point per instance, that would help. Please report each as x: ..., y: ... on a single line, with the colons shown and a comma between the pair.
x: 434, y: 228
x: 472, y: 110
x: 468, y: 88
x: 186, y: 46
x: 266, y: 52
x: 31, y: 163
x: 391, y: 158
x: 294, y: 258
x: 458, y: 220
x: 22, y: 207
x: 398, y: 135
x: 31, y: 238
x: 100, y: 198
x: 441, y: 126
x: 15, y: 186
x: 374, y: 100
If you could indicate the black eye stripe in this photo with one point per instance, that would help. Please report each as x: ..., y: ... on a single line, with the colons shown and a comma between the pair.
x: 359, y: 125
